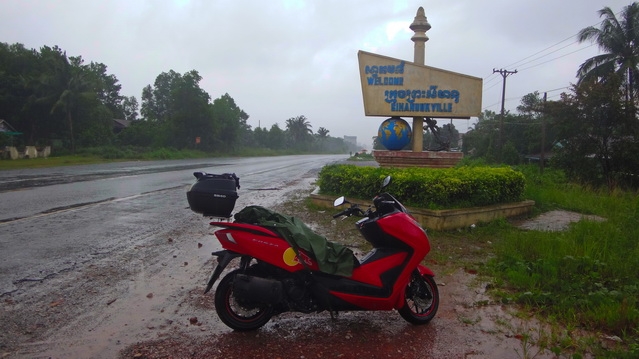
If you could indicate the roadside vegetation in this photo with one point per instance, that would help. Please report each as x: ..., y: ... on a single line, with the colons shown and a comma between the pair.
x: 581, y: 278
x: 432, y: 188
x: 49, y: 99
x: 581, y: 283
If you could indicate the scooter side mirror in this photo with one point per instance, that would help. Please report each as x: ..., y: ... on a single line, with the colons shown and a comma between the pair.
x: 386, y: 182
x: 340, y: 201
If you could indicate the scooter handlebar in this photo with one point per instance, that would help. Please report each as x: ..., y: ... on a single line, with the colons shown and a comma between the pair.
x: 349, y: 212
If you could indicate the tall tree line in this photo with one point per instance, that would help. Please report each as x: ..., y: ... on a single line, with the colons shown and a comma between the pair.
x: 49, y: 96
x: 55, y: 99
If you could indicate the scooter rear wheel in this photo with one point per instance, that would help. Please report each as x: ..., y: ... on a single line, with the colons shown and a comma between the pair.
x: 421, y: 299
x: 239, y: 314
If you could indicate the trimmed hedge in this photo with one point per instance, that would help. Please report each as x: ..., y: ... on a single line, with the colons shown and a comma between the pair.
x: 431, y: 188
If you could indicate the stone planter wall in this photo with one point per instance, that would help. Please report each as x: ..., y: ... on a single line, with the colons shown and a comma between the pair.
x: 449, y: 218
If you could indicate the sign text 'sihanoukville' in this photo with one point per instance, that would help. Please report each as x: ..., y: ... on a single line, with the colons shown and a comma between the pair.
x: 393, y: 87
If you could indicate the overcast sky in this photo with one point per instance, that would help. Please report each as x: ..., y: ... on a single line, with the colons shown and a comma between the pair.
x: 282, y: 59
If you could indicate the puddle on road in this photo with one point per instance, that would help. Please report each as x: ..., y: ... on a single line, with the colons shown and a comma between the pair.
x: 165, y: 294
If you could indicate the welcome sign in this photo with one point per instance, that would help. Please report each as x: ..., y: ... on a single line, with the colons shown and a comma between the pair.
x: 393, y: 87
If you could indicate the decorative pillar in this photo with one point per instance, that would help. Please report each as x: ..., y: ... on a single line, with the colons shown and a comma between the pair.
x: 420, y: 25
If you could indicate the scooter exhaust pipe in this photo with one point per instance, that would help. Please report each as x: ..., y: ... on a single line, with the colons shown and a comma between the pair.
x: 258, y: 290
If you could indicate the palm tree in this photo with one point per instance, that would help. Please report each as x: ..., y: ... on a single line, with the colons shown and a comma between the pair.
x: 322, y: 136
x: 322, y: 132
x: 619, y: 39
x: 76, y: 89
x: 65, y: 86
x: 299, y: 127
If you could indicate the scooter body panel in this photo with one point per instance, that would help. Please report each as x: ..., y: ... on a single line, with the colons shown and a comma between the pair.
x: 263, y: 244
x: 376, y: 284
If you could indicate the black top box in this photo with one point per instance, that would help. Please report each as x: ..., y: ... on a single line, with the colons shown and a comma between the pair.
x: 213, y: 195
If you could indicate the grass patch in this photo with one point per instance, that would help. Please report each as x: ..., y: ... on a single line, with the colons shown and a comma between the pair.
x: 51, y: 162
x: 584, y: 278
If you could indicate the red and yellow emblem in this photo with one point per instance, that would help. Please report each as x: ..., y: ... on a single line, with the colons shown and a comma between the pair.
x: 290, y: 258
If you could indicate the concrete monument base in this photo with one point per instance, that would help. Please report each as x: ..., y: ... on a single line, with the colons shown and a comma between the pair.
x: 400, y: 159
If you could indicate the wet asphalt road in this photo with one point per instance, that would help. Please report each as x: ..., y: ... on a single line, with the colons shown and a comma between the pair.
x: 54, y: 219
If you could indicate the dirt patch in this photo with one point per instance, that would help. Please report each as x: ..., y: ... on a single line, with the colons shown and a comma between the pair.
x: 554, y: 221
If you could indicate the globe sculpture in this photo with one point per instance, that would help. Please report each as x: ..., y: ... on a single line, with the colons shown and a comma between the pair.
x: 394, y: 134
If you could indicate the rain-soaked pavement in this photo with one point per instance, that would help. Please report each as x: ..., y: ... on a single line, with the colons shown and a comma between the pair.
x: 126, y: 276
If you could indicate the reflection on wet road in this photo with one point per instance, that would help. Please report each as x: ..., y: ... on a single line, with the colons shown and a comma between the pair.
x: 53, y: 219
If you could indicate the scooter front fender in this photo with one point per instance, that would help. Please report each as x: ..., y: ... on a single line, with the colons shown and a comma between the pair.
x: 223, y: 259
x: 423, y: 270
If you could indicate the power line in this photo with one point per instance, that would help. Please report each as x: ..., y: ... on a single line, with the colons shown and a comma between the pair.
x: 490, y: 79
x: 557, y: 44
x: 557, y: 58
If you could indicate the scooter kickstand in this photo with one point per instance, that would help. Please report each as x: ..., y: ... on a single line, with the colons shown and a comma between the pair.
x: 334, y: 314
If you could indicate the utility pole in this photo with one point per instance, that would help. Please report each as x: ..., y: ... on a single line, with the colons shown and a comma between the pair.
x: 543, y: 135
x: 504, y: 74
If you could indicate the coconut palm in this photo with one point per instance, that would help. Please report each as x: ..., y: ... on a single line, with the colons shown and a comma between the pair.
x: 76, y: 88
x: 322, y: 132
x: 618, y: 38
x: 300, y: 128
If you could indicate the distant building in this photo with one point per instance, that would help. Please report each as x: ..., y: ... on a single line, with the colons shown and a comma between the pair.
x: 119, y: 125
x: 351, y: 139
x: 6, y: 127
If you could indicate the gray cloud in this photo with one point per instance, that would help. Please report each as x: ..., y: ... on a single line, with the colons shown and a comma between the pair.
x: 280, y: 59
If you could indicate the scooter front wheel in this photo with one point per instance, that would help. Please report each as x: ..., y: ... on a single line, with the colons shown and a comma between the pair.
x: 421, y: 299
x: 237, y: 313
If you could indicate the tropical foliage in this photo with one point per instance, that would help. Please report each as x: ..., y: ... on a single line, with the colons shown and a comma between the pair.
x: 58, y: 100
x: 592, y: 131
x: 618, y: 38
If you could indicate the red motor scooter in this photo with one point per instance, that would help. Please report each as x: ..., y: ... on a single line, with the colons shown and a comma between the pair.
x: 275, y: 276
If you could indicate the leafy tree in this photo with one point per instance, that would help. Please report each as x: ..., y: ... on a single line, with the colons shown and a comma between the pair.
x: 595, y: 134
x: 107, y: 89
x: 183, y: 113
x: 482, y: 139
x: 446, y: 138
x: 141, y: 134
x: 189, y: 115
x: 230, y: 123
x: 510, y: 155
x: 260, y: 137
x: 20, y: 72
x: 130, y: 108
x: 156, y: 100
x: 619, y: 39
x: 180, y: 110
x: 69, y: 86
x: 276, y: 137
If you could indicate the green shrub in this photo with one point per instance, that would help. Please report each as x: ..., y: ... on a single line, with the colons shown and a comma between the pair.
x: 433, y: 188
